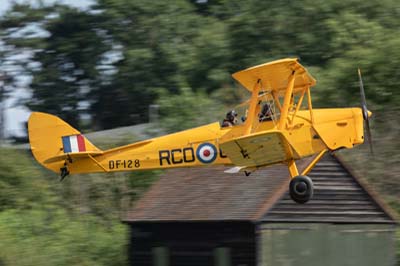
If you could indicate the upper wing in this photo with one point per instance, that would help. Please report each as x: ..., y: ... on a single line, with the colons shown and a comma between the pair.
x: 275, y: 75
x: 258, y: 149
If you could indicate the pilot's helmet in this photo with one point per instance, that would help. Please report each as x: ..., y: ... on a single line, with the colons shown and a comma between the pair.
x: 231, y: 115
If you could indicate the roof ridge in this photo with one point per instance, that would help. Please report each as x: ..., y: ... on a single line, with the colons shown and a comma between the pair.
x: 368, y: 189
x: 270, y: 202
x: 327, y: 196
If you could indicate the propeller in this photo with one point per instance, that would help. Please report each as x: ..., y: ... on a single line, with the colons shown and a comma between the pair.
x: 365, y: 112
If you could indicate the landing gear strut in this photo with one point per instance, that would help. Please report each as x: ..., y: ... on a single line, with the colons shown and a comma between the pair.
x: 301, y: 189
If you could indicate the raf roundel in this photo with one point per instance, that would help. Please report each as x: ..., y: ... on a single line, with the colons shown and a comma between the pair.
x: 206, y: 153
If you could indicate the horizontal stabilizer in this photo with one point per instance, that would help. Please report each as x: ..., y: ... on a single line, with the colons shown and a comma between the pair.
x: 72, y: 156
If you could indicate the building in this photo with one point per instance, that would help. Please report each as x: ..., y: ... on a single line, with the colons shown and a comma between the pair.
x: 204, y: 217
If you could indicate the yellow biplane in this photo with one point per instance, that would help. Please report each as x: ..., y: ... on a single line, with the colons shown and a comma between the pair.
x: 291, y: 130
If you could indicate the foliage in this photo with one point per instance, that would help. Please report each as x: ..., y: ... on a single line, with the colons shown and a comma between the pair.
x: 109, y: 63
x: 65, y: 48
x: 186, y: 110
x: 126, y: 50
x: 50, y: 236
x: 45, y: 222
x: 19, y: 183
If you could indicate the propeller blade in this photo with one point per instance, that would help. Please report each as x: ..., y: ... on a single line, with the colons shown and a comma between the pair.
x: 365, y: 112
x: 369, y: 136
x: 363, y: 100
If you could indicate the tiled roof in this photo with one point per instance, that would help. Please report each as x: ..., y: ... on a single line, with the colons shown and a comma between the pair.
x: 209, y: 194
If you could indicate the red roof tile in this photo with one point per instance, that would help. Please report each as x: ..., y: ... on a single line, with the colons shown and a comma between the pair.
x: 208, y: 194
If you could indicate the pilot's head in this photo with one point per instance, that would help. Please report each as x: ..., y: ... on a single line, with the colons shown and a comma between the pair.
x: 232, y: 116
x: 266, y: 110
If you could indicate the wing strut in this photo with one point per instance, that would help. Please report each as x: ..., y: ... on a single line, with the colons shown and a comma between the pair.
x: 252, y: 108
x: 310, y: 105
x: 286, y: 101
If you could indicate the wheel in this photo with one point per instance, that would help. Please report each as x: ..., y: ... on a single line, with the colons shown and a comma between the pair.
x: 301, y: 189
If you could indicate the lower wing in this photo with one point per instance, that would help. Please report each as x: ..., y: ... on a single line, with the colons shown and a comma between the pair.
x: 259, y: 149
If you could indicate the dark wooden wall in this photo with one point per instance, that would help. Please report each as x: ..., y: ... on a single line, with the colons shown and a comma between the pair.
x: 193, y: 243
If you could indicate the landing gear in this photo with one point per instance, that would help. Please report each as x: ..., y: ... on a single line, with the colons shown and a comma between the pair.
x: 301, y: 189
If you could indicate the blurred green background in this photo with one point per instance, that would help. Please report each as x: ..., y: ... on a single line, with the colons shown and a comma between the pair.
x: 103, y: 66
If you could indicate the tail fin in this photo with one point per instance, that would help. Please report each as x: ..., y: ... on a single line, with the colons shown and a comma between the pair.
x: 53, y: 141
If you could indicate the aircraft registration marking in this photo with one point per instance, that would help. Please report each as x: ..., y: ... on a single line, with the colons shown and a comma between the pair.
x: 123, y: 164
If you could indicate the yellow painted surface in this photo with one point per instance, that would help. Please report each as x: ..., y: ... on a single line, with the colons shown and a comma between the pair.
x: 45, y: 137
x: 263, y: 148
x: 275, y: 75
x: 249, y: 145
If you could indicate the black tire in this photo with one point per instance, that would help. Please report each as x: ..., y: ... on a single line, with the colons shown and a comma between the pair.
x: 301, y: 189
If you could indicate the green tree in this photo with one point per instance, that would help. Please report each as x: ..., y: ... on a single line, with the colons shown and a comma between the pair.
x: 65, y: 47
x: 186, y: 110
x: 163, y: 45
x: 67, y: 74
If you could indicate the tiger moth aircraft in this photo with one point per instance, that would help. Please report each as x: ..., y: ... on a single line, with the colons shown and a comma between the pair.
x: 290, y: 130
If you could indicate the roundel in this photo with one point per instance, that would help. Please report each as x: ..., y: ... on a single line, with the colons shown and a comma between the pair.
x: 206, y: 153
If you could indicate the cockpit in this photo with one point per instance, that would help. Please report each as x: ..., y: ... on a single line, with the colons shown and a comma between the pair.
x: 268, y: 109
